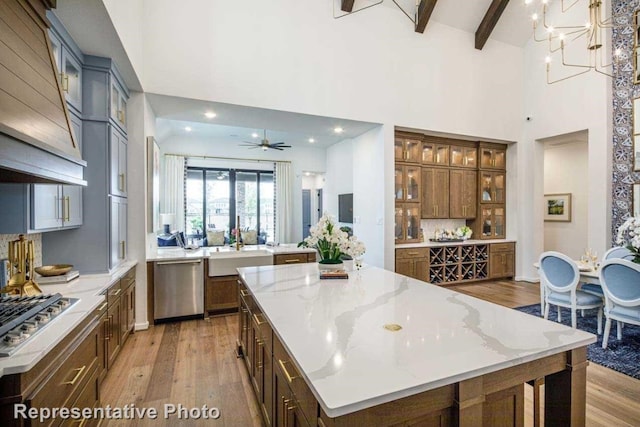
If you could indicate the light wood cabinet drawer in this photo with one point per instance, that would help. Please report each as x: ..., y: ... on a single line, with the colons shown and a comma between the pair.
x: 89, y: 398
x: 113, y: 293
x: 503, y: 247
x: 65, y: 384
x: 128, y: 279
x: 412, y: 253
x: 306, y: 401
x: 290, y: 258
x: 262, y: 325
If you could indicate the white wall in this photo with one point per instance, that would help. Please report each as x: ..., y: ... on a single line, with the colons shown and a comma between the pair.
x: 126, y: 17
x: 579, y: 104
x: 301, y: 158
x: 339, y: 176
x: 356, y: 166
x: 294, y: 56
x: 141, y: 123
x: 368, y: 194
x: 565, y: 171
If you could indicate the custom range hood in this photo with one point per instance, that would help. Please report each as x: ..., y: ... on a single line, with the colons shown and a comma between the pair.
x: 36, y: 140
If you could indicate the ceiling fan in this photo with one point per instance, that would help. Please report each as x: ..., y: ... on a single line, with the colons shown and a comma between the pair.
x: 265, y: 144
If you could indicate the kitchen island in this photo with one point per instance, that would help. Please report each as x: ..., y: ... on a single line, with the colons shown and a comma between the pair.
x: 383, y: 349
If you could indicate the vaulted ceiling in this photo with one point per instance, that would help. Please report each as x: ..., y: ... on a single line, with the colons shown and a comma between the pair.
x: 502, y: 20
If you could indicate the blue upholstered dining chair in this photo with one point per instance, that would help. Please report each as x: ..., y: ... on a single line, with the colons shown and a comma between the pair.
x: 617, y: 252
x: 620, y: 281
x: 559, y: 275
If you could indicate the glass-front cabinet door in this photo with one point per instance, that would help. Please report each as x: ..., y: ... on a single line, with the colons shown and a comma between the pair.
x: 464, y: 157
x: 493, y: 222
x: 435, y: 154
x: 407, y: 223
x: 407, y: 150
x: 493, y: 158
x: 407, y: 183
x: 492, y: 187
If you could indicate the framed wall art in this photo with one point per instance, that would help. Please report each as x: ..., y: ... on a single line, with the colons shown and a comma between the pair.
x: 153, y: 185
x: 557, y: 207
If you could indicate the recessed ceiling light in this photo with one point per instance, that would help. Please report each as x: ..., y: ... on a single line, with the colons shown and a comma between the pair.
x: 209, y: 114
x: 254, y: 135
x: 311, y: 140
x: 338, y: 129
x: 187, y: 128
x: 307, y: 173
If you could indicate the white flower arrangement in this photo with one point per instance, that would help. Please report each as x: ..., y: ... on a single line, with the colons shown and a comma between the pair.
x: 629, y: 236
x: 464, y: 232
x: 331, y: 242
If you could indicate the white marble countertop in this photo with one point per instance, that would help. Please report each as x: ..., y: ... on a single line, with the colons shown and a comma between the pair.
x: 334, y: 330
x: 429, y: 244
x: 88, y: 290
x: 173, y: 253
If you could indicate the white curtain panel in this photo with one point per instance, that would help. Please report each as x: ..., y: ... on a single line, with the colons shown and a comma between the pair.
x: 172, y: 189
x: 284, y: 202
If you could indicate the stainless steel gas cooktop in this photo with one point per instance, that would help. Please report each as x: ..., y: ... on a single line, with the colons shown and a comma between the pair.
x: 23, y: 317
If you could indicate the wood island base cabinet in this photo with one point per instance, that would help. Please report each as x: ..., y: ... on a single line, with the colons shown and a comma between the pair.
x: 492, y: 399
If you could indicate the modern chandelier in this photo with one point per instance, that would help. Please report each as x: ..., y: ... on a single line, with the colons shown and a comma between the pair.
x: 562, y: 39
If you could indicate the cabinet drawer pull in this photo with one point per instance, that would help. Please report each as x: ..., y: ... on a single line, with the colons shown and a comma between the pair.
x: 107, y: 327
x: 123, y: 249
x: 291, y: 261
x: 413, y: 253
x: 121, y: 182
x: 67, y: 208
x: 116, y: 293
x: 257, y: 320
x: 75, y: 378
x: 244, y: 293
x: 284, y: 370
x: 103, y: 306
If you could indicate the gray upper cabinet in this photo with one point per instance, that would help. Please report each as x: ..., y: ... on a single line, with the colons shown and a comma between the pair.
x: 106, y: 96
x: 100, y: 245
x: 68, y: 59
x: 56, y: 206
x: 118, y: 231
x: 118, y: 105
x: 118, y: 163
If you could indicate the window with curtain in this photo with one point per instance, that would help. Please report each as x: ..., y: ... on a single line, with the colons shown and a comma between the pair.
x: 215, y: 197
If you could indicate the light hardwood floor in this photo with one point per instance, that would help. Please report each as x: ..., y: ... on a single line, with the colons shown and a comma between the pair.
x: 193, y: 363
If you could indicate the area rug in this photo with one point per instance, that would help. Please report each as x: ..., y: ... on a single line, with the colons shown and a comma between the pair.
x: 622, y: 356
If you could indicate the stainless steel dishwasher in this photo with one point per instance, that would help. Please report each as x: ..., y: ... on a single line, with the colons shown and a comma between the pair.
x: 178, y: 289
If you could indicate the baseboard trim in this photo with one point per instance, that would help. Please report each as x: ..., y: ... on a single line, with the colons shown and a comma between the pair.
x: 142, y: 326
x: 528, y: 279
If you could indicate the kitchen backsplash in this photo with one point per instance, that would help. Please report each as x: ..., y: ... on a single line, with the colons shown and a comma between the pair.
x: 429, y: 226
x: 37, y: 245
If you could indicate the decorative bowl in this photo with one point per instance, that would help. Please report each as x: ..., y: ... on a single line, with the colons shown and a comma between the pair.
x: 54, y: 270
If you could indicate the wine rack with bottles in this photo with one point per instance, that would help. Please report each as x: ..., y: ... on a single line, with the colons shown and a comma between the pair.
x: 458, y: 263
x: 446, y: 265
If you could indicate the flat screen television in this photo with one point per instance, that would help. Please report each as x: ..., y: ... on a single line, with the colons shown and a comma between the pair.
x: 345, y: 208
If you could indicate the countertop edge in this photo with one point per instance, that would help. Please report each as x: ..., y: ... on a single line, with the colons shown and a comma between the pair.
x: 429, y: 244
x: 379, y: 400
x: 27, y: 357
x: 175, y: 254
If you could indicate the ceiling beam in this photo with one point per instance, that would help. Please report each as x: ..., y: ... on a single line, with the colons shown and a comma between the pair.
x: 424, y: 13
x: 489, y: 22
x: 347, y: 5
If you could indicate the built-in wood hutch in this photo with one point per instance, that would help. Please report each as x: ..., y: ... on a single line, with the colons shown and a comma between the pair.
x: 446, y: 178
